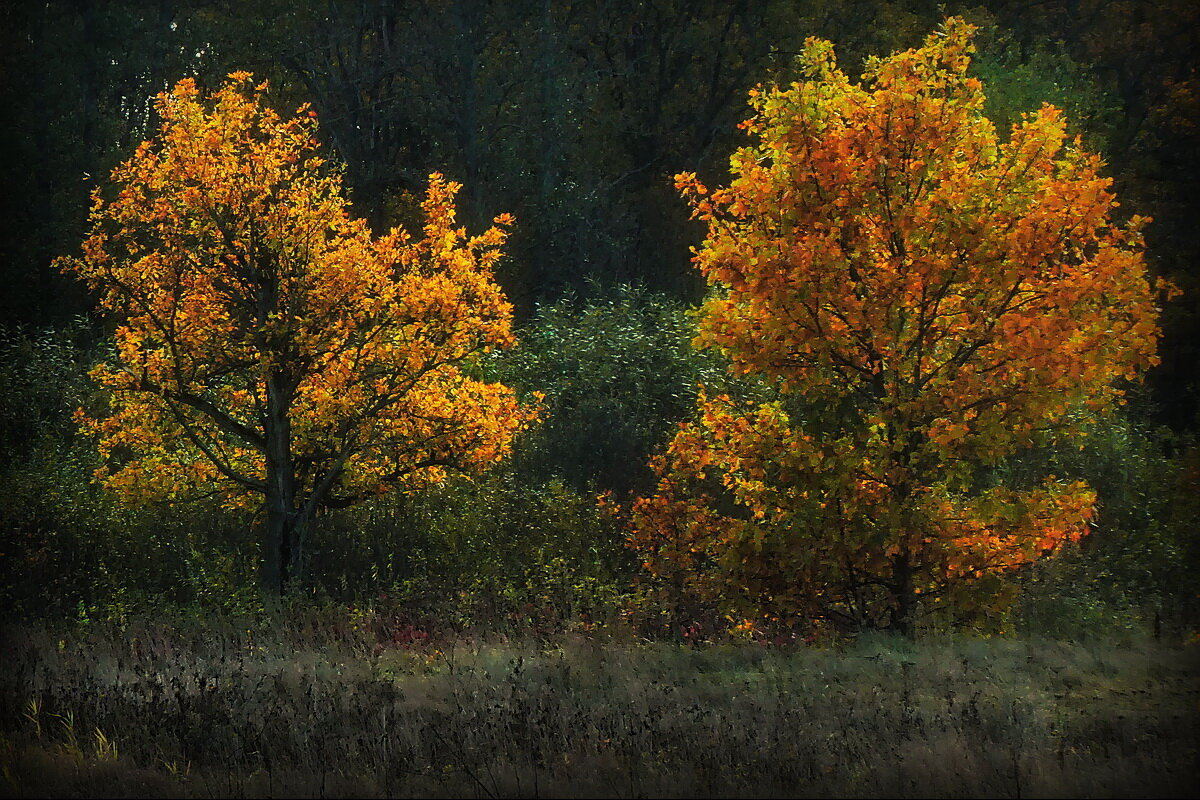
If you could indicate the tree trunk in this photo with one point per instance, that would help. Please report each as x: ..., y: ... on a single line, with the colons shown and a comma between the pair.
x: 283, y: 548
x: 285, y: 519
x: 272, y: 577
x: 902, y: 563
x: 902, y: 588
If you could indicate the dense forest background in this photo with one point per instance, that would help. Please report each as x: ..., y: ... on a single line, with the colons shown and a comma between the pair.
x: 574, y: 117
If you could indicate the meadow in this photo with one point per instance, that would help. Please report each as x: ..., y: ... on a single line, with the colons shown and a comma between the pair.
x: 360, y: 704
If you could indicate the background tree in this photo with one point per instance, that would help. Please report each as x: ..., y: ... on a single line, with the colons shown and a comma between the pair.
x: 925, y: 300
x: 269, y: 348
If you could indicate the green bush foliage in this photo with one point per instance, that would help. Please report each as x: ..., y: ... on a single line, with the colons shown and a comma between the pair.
x: 497, y: 550
x: 69, y: 549
x: 1020, y: 79
x: 1137, y: 569
x: 618, y: 372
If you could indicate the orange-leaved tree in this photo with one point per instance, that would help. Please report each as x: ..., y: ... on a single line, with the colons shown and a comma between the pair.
x: 270, y: 350
x: 920, y: 299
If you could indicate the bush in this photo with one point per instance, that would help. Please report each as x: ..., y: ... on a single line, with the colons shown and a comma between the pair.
x: 494, y: 550
x: 1138, y: 568
x: 69, y: 548
x: 618, y: 374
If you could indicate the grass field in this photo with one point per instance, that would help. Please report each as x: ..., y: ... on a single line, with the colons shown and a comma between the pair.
x: 327, y: 710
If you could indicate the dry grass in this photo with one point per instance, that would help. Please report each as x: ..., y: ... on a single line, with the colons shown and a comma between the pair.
x: 322, y: 710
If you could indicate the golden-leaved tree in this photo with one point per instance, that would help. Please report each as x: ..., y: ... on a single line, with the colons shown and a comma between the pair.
x: 922, y: 299
x: 270, y: 350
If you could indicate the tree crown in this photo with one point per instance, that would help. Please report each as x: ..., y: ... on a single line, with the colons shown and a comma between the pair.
x: 252, y: 307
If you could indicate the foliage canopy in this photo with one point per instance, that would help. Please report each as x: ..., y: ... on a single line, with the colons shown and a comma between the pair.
x: 926, y: 299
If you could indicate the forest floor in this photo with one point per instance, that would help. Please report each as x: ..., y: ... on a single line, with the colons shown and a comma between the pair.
x: 222, y: 711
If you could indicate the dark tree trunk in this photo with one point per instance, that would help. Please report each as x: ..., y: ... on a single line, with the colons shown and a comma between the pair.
x: 273, y: 539
x: 902, y: 588
x: 283, y: 542
x: 904, y: 598
x: 283, y: 548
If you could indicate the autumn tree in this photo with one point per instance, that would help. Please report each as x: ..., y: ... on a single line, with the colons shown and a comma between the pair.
x: 270, y: 351
x: 918, y: 299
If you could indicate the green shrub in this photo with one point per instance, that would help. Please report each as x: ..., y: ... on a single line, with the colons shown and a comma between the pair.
x: 618, y: 374
x: 1138, y: 567
x: 69, y: 549
x: 496, y: 548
